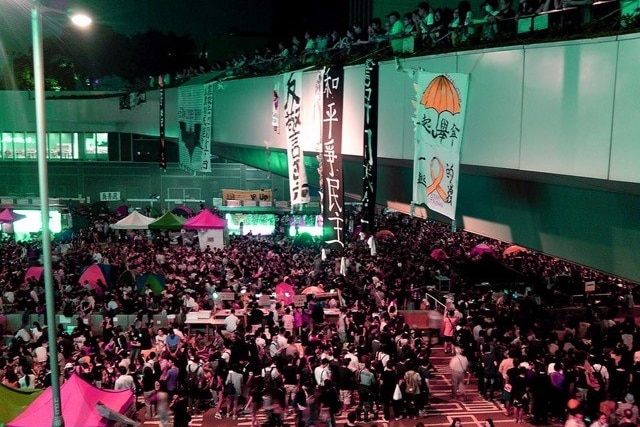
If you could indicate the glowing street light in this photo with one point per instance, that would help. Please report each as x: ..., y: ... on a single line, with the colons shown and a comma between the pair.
x: 43, y: 183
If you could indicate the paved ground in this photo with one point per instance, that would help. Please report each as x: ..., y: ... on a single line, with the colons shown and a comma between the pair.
x: 443, y: 408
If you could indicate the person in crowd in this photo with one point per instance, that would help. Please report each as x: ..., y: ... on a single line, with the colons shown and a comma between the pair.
x: 459, y: 365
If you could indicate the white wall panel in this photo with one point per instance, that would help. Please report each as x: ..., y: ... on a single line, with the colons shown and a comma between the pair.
x: 567, y: 104
x: 625, y: 146
x: 242, y: 112
x: 492, y: 124
x: 353, y: 111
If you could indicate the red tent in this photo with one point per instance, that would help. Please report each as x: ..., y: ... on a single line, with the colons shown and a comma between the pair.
x: 439, y: 254
x: 9, y: 216
x: 205, y: 220
x: 285, y: 293
x: 91, y: 276
x: 35, y: 272
x: 79, y: 401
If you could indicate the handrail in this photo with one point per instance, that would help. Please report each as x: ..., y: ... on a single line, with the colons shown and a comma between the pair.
x: 435, y: 299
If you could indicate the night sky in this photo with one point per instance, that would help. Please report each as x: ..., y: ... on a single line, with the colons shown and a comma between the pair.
x: 204, y: 20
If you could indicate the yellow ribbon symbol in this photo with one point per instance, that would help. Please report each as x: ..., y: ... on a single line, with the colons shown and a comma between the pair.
x: 436, y: 179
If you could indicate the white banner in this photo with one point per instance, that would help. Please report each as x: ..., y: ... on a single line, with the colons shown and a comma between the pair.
x: 439, y: 122
x: 190, y: 117
x: 298, y: 184
x: 207, y: 119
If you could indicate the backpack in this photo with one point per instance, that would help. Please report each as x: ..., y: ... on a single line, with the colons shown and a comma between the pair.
x: 597, y: 374
x: 410, y: 384
x: 195, y: 378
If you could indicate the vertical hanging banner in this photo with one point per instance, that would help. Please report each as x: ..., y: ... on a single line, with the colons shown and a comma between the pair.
x: 205, y: 136
x: 370, y: 145
x: 333, y: 200
x: 190, y: 116
x: 163, y: 148
x: 275, y: 108
x: 439, y: 123
x: 298, y: 184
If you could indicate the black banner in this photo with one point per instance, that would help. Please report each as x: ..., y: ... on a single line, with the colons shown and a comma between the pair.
x: 370, y: 153
x: 332, y: 185
x: 163, y: 148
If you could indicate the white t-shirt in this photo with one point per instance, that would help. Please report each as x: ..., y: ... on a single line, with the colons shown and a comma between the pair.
x: 231, y: 323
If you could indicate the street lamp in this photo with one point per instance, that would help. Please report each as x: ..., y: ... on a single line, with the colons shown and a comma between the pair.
x: 43, y: 183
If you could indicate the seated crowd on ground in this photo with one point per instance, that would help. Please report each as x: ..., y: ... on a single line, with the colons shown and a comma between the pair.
x: 291, y: 358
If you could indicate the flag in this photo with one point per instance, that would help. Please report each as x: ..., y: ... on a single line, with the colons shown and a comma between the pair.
x: 370, y: 145
x: 439, y: 124
x: 205, y: 136
x: 332, y: 182
x: 298, y: 184
x: 163, y: 148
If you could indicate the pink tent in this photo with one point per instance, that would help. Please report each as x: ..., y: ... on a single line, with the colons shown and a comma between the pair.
x: 91, y: 275
x: 9, y: 216
x: 210, y: 229
x: 79, y: 401
x: 285, y: 293
x: 439, y: 254
x: 481, y: 249
x: 205, y: 220
x: 35, y: 272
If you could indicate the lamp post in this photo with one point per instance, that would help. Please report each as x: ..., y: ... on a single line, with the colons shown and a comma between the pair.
x: 43, y: 183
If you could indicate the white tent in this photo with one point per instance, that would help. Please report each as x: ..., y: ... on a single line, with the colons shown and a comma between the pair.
x: 134, y: 221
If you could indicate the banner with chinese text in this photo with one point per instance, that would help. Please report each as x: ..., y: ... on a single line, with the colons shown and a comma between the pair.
x: 370, y: 145
x: 298, y: 184
x: 207, y: 119
x: 331, y: 166
x: 163, y: 146
x: 439, y: 122
x: 190, y: 120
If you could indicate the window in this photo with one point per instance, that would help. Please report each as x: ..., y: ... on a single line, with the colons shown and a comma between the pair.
x: 18, y: 146
x: 102, y: 146
x: 6, y: 146
x: 53, y: 141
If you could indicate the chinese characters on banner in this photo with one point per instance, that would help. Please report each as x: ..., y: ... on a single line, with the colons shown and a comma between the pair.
x: 439, y: 122
x: 205, y: 137
x: 109, y: 196
x: 370, y: 144
x: 190, y: 116
x: 298, y: 184
x: 332, y: 185
x: 163, y: 147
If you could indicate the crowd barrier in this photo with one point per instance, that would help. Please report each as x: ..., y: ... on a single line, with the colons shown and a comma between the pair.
x: 11, y: 322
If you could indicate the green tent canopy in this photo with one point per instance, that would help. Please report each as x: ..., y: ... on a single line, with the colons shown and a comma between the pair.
x: 14, y: 402
x: 168, y: 221
x: 155, y: 282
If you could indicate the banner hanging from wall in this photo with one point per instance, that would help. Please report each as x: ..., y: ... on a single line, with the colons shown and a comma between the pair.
x: 332, y: 183
x: 255, y: 195
x: 207, y: 120
x: 439, y: 124
x: 275, y: 107
x: 370, y: 145
x: 190, y: 121
x: 298, y: 184
x: 163, y: 147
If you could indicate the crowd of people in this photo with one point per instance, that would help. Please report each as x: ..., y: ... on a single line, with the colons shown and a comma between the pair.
x: 288, y: 358
x: 421, y: 31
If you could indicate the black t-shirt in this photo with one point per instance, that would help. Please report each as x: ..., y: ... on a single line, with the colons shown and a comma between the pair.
x: 290, y: 374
